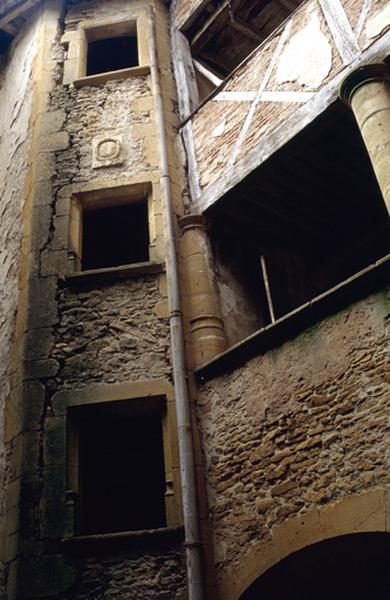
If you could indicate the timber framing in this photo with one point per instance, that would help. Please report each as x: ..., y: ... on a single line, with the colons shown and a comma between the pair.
x: 285, y: 132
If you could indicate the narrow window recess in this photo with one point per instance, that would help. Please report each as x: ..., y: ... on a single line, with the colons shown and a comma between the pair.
x: 118, y: 451
x: 112, y: 54
x: 111, y: 227
x: 115, y: 235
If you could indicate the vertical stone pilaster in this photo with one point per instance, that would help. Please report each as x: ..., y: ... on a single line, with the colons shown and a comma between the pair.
x: 208, y: 334
x: 367, y: 91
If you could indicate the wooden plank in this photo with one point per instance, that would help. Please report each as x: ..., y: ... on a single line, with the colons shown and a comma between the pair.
x: 193, y: 171
x: 213, y: 24
x: 185, y: 77
x: 293, y: 125
x: 9, y: 28
x: 186, y: 11
x: 363, y: 17
x: 244, y: 29
x: 188, y: 99
x: 260, y: 91
x: 340, y: 29
x: 245, y: 96
x: 16, y: 11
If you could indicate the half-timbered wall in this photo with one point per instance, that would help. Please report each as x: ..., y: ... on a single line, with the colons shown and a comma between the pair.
x: 282, y: 86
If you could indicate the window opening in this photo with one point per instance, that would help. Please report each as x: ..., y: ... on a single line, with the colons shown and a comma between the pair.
x: 115, y: 235
x: 121, y: 467
x: 112, y: 54
x: 304, y: 221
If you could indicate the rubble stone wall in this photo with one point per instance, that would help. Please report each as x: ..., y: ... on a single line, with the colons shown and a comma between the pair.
x: 297, y: 428
x: 109, y: 331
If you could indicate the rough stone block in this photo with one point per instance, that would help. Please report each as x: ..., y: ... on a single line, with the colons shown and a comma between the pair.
x: 51, y: 122
x: 37, y: 343
x: 41, y: 576
x: 54, y: 262
x: 42, y: 314
x: 54, y: 441
x: 54, y: 142
x: 52, y: 503
x: 60, y: 239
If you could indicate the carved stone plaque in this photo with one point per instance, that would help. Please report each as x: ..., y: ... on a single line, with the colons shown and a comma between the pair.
x: 107, y: 151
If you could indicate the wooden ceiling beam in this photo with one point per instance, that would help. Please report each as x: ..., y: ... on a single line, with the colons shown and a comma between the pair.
x: 244, y: 29
x: 12, y: 13
x: 213, y: 24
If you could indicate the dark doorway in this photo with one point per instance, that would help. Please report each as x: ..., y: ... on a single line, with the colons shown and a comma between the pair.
x: 353, y: 567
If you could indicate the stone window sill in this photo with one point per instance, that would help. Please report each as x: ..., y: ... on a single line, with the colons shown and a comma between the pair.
x: 354, y: 288
x: 109, y: 76
x: 124, y: 539
x: 97, y: 276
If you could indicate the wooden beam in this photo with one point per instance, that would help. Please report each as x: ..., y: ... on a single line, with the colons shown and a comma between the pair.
x: 9, y: 28
x: 288, y: 5
x: 16, y: 11
x: 245, y: 30
x: 214, y: 23
x: 341, y: 30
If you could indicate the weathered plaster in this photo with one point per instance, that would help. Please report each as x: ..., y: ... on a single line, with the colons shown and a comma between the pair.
x: 309, y: 69
x: 378, y: 24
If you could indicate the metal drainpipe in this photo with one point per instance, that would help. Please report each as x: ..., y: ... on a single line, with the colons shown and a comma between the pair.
x: 183, y: 411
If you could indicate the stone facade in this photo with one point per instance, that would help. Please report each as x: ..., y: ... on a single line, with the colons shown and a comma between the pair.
x: 290, y: 443
x: 298, y: 428
x: 75, y: 332
x: 100, y: 338
x: 16, y: 101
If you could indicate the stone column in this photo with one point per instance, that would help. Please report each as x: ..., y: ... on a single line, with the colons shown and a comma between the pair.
x: 367, y: 91
x: 199, y: 291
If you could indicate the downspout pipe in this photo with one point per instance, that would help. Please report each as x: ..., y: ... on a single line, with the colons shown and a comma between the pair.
x: 183, y: 410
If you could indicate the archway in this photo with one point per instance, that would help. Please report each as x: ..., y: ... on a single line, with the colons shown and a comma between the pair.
x: 349, y: 567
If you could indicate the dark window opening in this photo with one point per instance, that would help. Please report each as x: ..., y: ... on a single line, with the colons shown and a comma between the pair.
x: 112, y: 54
x: 307, y: 219
x: 5, y: 41
x: 115, y: 236
x: 224, y: 34
x: 354, y: 567
x: 121, y: 468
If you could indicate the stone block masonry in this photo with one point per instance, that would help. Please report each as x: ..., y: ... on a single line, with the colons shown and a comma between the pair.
x: 71, y: 334
x: 297, y: 429
x: 112, y: 334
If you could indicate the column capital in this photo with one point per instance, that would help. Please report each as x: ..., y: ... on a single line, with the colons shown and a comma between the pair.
x: 361, y: 76
x: 193, y: 221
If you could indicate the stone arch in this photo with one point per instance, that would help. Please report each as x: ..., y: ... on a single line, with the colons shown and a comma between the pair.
x: 358, y: 513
